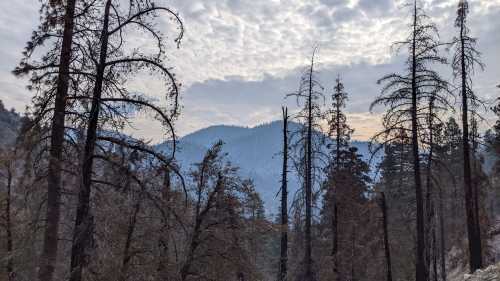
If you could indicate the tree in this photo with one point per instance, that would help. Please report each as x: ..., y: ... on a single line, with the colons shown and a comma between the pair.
x: 309, y: 94
x: 284, y: 202
x: 107, y: 78
x: 339, y: 130
x: 7, y: 174
x: 47, y: 30
x: 465, y: 60
x: 387, y: 248
x: 404, y: 95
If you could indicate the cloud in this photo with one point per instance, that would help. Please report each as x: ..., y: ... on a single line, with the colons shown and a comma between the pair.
x: 239, y: 57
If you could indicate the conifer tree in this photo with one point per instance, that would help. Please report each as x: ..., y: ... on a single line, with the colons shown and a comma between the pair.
x: 465, y: 60
x: 405, y: 96
x: 307, y: 146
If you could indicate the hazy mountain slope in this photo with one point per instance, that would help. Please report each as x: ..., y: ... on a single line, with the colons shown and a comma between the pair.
x: 255, y: 150
x: 10, y: 122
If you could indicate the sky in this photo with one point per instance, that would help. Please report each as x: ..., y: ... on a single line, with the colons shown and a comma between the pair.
x: 239, y: 58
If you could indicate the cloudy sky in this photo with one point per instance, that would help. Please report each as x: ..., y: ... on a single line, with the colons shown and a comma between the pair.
x: 239, y: 58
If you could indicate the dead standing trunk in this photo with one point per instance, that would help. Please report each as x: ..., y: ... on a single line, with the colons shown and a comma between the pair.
x: 8, y: 227
x: 387, y: 248
x: 308, y: 181
x: 127, y: 256
x: 473, y: 232
x: 442, y: 236
x: 284, y: 202
x: 420, y: 268
x: 82, y: 231
x: 163, y: 243
x: 48, y: 256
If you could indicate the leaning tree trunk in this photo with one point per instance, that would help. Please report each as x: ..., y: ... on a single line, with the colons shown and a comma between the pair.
x: 420, y: 268
x: 473, y: 229
x: 387, y: 248
x: 48, y: 256
x: 82, y: 231
x: 284, y: 202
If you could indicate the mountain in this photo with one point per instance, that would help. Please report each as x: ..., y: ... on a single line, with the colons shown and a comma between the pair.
x: 10, y: 123
x: 256, y: 151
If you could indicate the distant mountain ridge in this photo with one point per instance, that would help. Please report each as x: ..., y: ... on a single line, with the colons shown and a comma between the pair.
x: 10, y: 122
x: 255, y: 150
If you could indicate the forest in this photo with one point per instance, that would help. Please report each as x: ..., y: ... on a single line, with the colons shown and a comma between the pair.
x: 80, y: 199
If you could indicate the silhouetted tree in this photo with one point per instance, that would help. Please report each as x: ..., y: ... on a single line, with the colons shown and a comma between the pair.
x: 465, y: 60
x: 338, y: 130
x: 106, y: 90
x: 309, y: 95
x: 405, y: 95
x: 49, y: 28
x: 284, y: 202
x: 387, y: 248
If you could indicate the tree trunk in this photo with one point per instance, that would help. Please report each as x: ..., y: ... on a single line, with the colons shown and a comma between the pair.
x: 308, y: 247
x: 335, y: 218
x: 434, y: 255
x: 420, y: 268
x: 163, y: 243
x: 48, y: 256
x: 429, y: 206
x: 442, y: 236
x: 82, y: 232
x: 473, y: 229
x: 387, y: 248
x: 284, y: 202
x: 8, y: 227
x: 353, y: 252
x: 128, y: 242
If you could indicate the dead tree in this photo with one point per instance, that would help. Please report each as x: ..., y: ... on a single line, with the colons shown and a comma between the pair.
x: 465, y: 60
x: 284, y: 201
x: 7, y: 173
x: 106, y: 91
x: 310, y: 95
x: 387, y: 248
x: 405, y: 96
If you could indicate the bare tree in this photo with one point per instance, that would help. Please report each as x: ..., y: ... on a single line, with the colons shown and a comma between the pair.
x: 310, y: 95
x: 465, y: 60
x: 387, y: 248
x: 284, y: 201
x: 404, y: 95
x: 107, y: 90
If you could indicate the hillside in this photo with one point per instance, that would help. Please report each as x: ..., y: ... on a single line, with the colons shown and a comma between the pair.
x: 255, y: 150
x: 9, y: 125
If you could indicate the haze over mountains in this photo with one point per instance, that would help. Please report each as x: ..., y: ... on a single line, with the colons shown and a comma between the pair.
x: 255, y: 150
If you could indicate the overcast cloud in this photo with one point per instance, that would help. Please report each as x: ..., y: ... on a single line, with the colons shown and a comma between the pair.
x: 240, y: 57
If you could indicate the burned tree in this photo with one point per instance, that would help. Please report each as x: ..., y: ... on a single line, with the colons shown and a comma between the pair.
x: 284, y: 202
x: 406, y: 95
x: 307, y: 145
x: 112, y: 65
x: 387, y: 248
x: 465, y: 60
x: 48, y: 29
x: 339, y: 130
